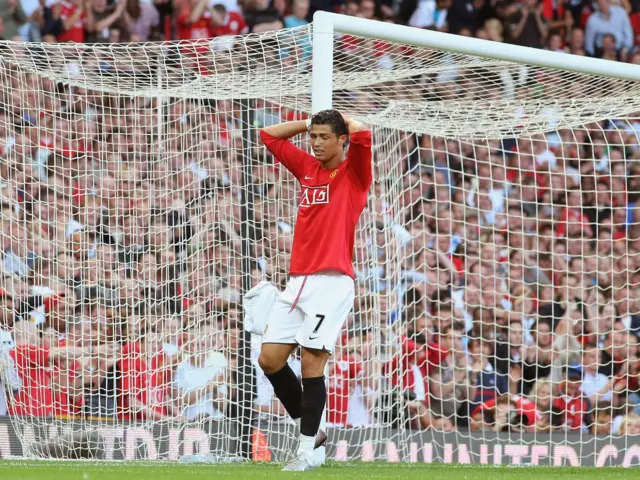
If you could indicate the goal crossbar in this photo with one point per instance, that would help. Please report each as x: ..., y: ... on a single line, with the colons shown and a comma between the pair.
x: 326, y: 25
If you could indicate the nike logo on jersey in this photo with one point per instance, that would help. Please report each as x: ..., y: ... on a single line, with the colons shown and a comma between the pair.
x: 313, y: 338
x: 307, y: 177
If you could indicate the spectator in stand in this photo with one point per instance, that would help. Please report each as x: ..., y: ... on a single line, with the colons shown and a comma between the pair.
x: 194, y: 19
x: 359, y: 369
x: 9, y: 379
x: 541, y: 395
x: 45, y: 390
x: 141, y: 20
x: 608, y: 19
x: 72, y: 15
x: 602, y: 419
x: 7, y: 311
x: 558, y: 16
x: 451, y: 388
x: 144, y: 390
x: 528, y: 27
x: 537, y: 357
x: 42, y: 24
x: 260, y: 16
x: 609, y: 48
x: 299, y: 13
x: 232, y: 22
x: 615, y: 351
x: 554, y: 42
x: 483, y: 375
x: 571, y: 408
x: 102, y: 16
x: 12, y: 16
x: 200, y: 380
x: 595, y: 386
x: 86, y: 383
x: 465, y: 15
x: 630, y: 425
x: 576, y: 41
x: 512, y: 413
x: 411, y: 367
x: 368, y: 10
x: 510, y: 351
x: 424, y: 14
x: 494, y: 29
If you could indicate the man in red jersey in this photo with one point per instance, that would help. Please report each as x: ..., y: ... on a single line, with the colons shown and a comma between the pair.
x: 143, y: 380
x: 572, y: 406
x: 226, y: 23
x: 73, y: 19
x: 320, y: 292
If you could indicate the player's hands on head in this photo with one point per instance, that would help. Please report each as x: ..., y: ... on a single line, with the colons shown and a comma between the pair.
x: 347, y: 121
x: 353, y: 125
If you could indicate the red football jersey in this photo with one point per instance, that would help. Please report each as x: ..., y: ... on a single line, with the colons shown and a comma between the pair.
x: 36, y: 395
x: 201, y: 28
x: 234, y: 24
x: 329, y: 206
x: 343, y: 374
x: 76, y: 32
x: 142, y: 381
x: 575, y: 411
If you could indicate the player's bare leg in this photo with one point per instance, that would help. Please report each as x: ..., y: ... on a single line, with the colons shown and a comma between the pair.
x: 274, y: 356
x: 273, y: 360
x: 314, y: 397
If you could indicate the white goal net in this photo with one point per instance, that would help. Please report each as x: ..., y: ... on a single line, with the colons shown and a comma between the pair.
x: 497, y: 311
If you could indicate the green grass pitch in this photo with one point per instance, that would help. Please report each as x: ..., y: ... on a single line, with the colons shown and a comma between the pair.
x: 66, y: 470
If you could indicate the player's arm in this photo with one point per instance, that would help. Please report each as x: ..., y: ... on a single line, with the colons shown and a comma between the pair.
x: 360, y: 153
x: 197, y: 11
x: 276, y: 139
x: 286, y: 129
x: 355, y: 126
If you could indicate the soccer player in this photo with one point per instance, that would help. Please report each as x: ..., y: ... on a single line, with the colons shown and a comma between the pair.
x: 312, y: 309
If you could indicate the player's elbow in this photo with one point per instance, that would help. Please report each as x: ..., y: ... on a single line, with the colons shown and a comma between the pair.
x: 355, y: 126
x: 264, y: 135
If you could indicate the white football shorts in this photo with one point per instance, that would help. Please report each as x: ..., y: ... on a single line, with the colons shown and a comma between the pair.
x: 311, y: 311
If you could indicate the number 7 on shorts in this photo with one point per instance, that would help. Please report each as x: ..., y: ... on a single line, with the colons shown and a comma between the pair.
x: 321, y: 317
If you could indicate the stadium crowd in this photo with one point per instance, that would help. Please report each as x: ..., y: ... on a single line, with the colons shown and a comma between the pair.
x: 120, y: 290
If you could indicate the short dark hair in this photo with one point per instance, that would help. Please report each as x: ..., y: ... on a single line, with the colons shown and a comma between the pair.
x: 333, y: 118
x: 220, y: 8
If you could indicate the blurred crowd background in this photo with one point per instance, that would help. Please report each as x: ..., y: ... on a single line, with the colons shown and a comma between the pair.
x: 506, y: 294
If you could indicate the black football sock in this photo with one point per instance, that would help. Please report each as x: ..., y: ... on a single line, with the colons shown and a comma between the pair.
x: 314, y: 397
x: 287, y: 388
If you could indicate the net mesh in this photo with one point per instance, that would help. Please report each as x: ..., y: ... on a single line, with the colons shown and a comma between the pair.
x: 496, y: 261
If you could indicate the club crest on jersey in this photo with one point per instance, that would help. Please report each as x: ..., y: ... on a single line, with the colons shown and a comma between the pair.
x: 314, y: 196
x: 333, y: 174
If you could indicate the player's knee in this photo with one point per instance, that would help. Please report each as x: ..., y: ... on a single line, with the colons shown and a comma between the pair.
x: 268, y: 363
